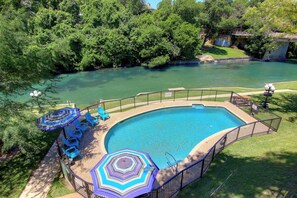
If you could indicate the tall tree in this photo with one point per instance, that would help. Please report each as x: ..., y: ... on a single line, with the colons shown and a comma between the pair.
x: 22, y: 64
x: 215, y: 11
x: 273, y: 16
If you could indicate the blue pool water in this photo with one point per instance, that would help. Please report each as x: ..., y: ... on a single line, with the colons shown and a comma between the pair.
x: 174, y: 130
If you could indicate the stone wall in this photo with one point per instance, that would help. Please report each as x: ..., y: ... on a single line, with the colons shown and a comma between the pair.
x: 279, y: 53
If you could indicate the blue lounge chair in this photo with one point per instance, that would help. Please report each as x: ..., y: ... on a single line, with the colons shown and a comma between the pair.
x: 92, y: 120
x: 70, y: 142
x: 102, y: 114
x: 72, y: 152
x: 81, y: 126
x: 74, y: 134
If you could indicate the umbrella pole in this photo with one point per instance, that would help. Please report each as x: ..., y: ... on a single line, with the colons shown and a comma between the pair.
x: 59, y: 151
x: 64, y: 133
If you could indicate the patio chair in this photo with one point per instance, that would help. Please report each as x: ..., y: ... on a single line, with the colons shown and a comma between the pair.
x: 92, y: 120
x: 72, y: 152
x: 70, y: 142
x: 102, y: 113
x: 74, y: 134
x: 81, y: 126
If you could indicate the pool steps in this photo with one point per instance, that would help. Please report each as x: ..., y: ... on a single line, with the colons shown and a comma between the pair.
x: 198, y: 106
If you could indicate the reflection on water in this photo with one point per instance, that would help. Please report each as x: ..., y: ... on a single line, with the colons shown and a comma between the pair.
x: 88, y: 87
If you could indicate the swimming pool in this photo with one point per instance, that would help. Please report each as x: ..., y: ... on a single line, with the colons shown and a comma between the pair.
x: 175, y: 130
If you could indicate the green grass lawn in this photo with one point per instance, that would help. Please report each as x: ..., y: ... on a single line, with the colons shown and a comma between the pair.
x: 223, y: 52
x: 59, y: 188
x: 15, y: 172
x: 261, y: 166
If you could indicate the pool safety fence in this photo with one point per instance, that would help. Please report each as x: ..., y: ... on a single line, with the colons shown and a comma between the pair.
x: 267, y: 122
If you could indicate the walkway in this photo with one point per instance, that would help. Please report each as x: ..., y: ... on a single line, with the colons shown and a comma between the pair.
x: 41, y: 180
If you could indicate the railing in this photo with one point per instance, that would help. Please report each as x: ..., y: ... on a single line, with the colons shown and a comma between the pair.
x: 142, y: 99
x: 268, y: 122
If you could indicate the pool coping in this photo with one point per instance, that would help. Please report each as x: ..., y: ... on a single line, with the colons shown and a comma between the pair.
x: 93, y: 152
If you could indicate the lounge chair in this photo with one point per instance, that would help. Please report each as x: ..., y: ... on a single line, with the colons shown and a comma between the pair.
x: 81, y: 126
x: 70, y: 142
x: 92, y: 120
x: 74, y: 134
x: 72, y: 152
x: 102, y: 113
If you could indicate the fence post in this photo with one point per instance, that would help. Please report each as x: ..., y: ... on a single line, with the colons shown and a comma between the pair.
x: 225, y: 140
x: 231, y: 96
x: 280, y: 119
x: 161, y: 96
x: 216, y: 95
x: 187, y: 95
x: 174, y: 95
x: 147, y: 99
x: 181, y: 181
x: 253, y: 129
x: 121, y: 105
x: 89, y: 194
x: 213, y: 154
x: 73, y: 181
x: 103, y: 103
x: 201, y: 95
x: 269, y: 126
x: 202, y: 166
x: 238, y: 133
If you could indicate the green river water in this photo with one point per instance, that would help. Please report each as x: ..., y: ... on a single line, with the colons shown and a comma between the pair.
x: 89, y: 87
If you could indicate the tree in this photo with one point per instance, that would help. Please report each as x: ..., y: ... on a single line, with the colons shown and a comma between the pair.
x: 258, y: 44
x: 188, y: 10
x: 186, y: 38
x: 213, y: 20
x: 273, y: 16
x: 22, y: 64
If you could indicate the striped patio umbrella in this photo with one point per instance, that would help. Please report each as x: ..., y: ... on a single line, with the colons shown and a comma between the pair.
x: 125, y: 173
x: 58, y: 119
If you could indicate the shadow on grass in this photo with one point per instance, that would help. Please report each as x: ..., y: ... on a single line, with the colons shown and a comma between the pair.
x: 285, y: 103
x: 214, y: 50
x: 271, y: 176
x: 15, y: 172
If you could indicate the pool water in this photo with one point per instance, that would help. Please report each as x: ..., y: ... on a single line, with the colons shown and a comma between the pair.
x: 172, y: 130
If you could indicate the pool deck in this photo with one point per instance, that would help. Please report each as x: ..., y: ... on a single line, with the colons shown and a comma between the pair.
x: 92, y: 145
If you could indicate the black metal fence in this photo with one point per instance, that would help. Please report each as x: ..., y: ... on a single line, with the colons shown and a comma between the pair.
x: 118, y: 105
x: 268, y: 122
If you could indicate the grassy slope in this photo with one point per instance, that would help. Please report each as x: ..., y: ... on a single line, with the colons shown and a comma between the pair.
x: 223, y: 52
x: 59, y: 188
x: 16, y: 172
x: 263, y: 166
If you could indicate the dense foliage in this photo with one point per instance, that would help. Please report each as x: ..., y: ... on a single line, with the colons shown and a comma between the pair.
x: 41, y: 38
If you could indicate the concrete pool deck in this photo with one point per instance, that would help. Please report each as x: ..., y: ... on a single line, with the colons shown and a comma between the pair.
x: 92, y: 145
